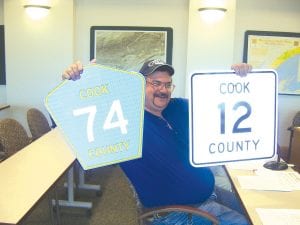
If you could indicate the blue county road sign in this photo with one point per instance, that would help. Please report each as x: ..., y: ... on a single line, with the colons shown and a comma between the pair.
x: 232, y: 118
x: 101, y: 115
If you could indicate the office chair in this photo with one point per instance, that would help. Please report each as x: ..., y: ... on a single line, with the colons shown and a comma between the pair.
x: 38, y: 126
x: 294, y: 148
x: 156, y: 215
x: 13, y: 136
x: 38, y: 123
x: 2, y: 153
x: 188, y: 214
x: 295, y: 123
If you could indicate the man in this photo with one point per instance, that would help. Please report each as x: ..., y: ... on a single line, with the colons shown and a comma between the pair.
x: 164, y: 176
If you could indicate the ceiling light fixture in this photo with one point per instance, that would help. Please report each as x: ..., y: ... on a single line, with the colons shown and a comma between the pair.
x: 212, y: 14
x: 37, y: 12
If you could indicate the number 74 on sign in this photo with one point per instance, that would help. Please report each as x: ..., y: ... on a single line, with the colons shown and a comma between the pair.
x: 91, y: 111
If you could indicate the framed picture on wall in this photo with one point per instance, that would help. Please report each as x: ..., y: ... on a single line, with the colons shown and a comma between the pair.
x: 127, y: 48
x: 275, y: 50
x: 2, y: 56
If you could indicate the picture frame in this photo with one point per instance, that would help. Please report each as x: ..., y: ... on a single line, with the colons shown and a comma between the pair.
x: 128, y: 47
x: 2, y: 57
x: 275, y: 50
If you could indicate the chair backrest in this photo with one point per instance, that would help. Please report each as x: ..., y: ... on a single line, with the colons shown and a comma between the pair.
x: 160, y: 215
x: 296, y: 120
x: 13, y: 136
x: 37, y: 123
x: 2, y: 153
x: 294, y: 156
x: 293, y: 142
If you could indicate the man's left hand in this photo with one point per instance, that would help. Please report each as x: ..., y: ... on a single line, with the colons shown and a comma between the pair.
x: 241, y: 69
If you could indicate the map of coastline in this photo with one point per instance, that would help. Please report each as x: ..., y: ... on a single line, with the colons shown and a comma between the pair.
x: 281, y: 54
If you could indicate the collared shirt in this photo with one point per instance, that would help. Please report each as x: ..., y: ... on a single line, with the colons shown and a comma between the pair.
x: 163, y: 175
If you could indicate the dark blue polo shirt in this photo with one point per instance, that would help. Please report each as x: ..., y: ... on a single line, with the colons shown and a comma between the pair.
x: 164, y: 175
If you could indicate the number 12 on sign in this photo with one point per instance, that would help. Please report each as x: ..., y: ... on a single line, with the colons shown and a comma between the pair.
x: 236, y: 128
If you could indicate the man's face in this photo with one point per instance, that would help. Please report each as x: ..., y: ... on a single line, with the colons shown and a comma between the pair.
x: 159, y: 88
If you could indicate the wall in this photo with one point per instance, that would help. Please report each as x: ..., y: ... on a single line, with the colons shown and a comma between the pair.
x: 270, y: 15
x: 36, y: 53
x: 167, y: 13
x: 210, y: 46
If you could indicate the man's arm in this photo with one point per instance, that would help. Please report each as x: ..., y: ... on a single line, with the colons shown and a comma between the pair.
x: 74, y: 71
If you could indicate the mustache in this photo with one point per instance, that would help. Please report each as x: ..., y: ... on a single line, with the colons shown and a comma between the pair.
x: 161, y: 95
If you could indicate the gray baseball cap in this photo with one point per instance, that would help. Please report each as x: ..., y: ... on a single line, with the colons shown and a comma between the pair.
x: 152, y: 65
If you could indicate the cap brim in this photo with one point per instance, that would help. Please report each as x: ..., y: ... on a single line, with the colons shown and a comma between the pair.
x: 162, y: 67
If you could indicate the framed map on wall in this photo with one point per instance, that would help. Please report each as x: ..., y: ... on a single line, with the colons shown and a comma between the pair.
x: 275, y: 50
x: 127, y: 48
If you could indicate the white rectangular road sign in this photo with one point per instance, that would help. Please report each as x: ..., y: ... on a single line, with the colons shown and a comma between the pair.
x: 232, y: 118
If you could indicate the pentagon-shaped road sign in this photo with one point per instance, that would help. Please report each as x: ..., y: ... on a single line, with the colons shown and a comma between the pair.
x: 101, y: 115
x: 232, y: 118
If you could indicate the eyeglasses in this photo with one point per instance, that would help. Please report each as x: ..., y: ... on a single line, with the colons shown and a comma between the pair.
x: 156, y: 84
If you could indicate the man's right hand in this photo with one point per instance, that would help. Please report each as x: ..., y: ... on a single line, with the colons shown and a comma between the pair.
x: 74, y: 71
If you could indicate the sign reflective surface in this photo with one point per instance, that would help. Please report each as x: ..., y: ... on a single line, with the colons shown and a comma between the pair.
x: 101, y: 115
x: 232, y: 118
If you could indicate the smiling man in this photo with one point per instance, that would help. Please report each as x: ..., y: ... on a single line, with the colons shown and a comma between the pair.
x: 164, y: 176
x: 158, y: 78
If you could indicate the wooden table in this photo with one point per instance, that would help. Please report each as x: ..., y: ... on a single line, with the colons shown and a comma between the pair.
x: 27, y: 175
x: 4, y: 106
x: 252, y: 199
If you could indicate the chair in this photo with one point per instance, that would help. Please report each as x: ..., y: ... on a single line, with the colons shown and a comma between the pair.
x: 294, y: 148
x: 2, y: 153
x: 13, y: 136
x: 38, y: 123
x: 188, y: 210
x: 147, y: 215
x: 293, y: 152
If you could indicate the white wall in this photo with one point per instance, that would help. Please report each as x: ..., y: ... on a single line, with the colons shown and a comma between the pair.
x: 167, y: 13
x: 270, y: 15
x: 36, y: 53
x: 210, y: 46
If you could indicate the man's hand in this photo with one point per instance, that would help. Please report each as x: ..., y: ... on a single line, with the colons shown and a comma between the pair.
x: 241, y: 69
x: 74, y: 71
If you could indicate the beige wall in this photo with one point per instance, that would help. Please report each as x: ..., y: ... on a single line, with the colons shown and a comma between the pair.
x: 270, y: 15
x: 210, y: 46
x: 167, y: 13
x: 37, y: 52
x: 219, y: 45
